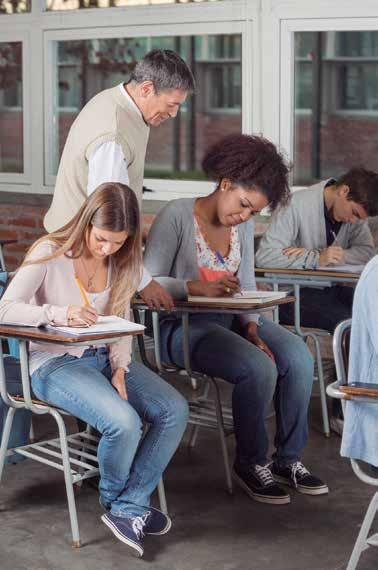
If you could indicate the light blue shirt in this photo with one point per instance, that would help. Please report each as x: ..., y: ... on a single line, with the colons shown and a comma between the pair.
x: 360, y: 436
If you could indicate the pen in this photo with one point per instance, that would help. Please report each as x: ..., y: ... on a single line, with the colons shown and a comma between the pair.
x: 336, y: 241
x: 220, y: 258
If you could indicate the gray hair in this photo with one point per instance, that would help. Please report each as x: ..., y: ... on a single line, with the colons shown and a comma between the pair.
x: 166, y: 69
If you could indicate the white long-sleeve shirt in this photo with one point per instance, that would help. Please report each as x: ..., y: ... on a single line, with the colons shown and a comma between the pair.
x: 107, y: 164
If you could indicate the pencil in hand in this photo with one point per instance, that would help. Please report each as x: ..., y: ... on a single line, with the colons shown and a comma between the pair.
x: 336, y: 242
x: 82, y: 291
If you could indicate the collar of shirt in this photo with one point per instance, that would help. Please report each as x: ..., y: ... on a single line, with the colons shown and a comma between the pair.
x: 125, y: 94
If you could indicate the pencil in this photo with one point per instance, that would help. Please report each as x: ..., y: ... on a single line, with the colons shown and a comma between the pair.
x: 335, y: 242
x: 220, y: 258
x: 82, y: 291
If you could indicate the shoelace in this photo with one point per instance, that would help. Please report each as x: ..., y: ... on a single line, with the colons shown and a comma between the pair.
x: 139, y: 523
x: 264, y: 474
x: 298, y: 469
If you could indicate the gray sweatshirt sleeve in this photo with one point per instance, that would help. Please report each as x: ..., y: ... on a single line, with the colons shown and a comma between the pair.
x: 361, y: 248
x: 162, y: 245
x: 283, y: 232
x: 246, y: 271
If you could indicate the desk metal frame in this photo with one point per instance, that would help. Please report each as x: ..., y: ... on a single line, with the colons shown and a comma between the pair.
x: 307, y: 278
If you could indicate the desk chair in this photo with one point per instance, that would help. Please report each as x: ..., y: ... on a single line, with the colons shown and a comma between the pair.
x: 74, y: 454
x: 341, y: 340
x: 205, y: 410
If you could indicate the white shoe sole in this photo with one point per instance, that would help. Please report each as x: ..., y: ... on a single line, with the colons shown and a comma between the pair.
x: 260, y: 498
x: 301, y: 488
x: 135, y: 548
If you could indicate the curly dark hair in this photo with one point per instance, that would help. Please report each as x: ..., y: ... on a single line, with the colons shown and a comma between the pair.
x: 250, y: 161
x: 363, y: 188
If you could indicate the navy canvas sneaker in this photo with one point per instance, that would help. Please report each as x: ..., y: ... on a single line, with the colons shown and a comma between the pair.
x: 259, y: 484
x: 296, y: 475
x: 156, y: 522
x: 127, y: 530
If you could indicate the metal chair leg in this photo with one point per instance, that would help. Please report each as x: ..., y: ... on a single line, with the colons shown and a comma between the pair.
x: 68, y: 480
x: 5, y: 439
x: 162, y: 497
x: 222, y: 436
x: 364, y: 531
x: 323, y: 397
x: 195, y: 430
x: 193, y: 436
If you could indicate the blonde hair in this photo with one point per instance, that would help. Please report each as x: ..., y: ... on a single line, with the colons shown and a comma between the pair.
x: 112, y: 207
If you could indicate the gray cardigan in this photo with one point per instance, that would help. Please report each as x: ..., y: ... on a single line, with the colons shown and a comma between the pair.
x: 301, y: 224
x: 171, y: 256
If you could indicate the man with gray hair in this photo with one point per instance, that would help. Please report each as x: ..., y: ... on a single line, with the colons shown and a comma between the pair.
x: 107, y: 142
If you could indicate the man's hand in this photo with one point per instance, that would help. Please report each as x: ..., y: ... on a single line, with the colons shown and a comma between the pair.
x: 253, y: 337
x: 118, y: 381
x: 333, y: 255
x: 155, y: 296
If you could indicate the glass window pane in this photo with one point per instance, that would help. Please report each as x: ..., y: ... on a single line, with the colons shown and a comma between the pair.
x: 11, y: 111
x: 335, y: 103
x: 80, y: 4
x: 14, y: 6
x: 175, y: 149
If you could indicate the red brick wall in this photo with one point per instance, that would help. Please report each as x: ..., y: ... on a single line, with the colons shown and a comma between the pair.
x: 25, y: 224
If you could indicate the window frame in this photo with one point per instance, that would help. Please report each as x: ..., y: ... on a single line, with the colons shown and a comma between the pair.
x: 163, y: 189
x: 21, y: 36
x: 223, y: 16
x: 288, y: 27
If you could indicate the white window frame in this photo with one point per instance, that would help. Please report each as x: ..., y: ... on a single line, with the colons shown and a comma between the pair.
x: 21, y: 36
x: 223, y: 16
x: 361, y: 16
x: 164, y: 189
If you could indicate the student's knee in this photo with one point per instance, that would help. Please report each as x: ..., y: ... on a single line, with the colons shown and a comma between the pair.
x: 173, y: 411
x: 299, y: 360
x: 258, y: 372
x: 123, y: 423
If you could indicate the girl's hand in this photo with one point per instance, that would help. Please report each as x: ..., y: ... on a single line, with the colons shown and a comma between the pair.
x: 119, y: 383
x: 253, y: 337
x: 225, y: 286
x: 81, y: 316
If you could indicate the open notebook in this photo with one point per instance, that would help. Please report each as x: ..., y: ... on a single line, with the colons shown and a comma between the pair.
x: 246, y: 297
x: 105, y: 324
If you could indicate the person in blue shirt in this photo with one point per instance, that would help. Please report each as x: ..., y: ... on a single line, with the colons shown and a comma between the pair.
x: 360, y: 435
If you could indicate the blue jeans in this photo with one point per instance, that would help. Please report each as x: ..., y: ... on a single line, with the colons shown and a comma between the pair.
x: 218, y: 351
x: 130, y: 467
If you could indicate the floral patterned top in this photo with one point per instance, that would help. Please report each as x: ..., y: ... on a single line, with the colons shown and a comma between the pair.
x: 210, y: 267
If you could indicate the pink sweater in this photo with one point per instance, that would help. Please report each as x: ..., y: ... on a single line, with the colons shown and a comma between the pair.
x: 40, y: 294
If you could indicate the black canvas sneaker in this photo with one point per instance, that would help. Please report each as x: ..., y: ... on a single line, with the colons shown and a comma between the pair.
x: 258, y: 482
x: 296, y: 475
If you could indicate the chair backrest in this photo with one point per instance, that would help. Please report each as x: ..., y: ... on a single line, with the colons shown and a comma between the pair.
x: 13, y: 346
x: 341, y: 344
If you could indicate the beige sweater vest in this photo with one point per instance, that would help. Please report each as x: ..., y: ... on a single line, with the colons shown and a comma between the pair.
x: 109, y: 116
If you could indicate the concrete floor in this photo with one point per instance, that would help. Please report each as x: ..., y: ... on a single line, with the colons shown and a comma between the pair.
x: 211, y: 529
